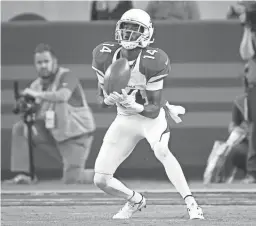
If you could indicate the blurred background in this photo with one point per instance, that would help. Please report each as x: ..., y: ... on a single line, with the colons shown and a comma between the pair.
x: 81, y: 10
x: 202, y: 39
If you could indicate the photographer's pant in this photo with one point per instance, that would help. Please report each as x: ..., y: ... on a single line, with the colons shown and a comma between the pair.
x: 251, y: 162
x: 237, y: 158
x: 72, y: 153
x: 75, y: 152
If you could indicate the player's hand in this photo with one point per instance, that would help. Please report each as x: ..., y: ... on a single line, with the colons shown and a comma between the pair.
x: 128, y: 99
x: 129, y: 102
x: 112, y: 98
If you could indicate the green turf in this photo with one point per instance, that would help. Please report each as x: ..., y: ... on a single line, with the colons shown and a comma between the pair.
x: 57, y: 204
x: 101, y: 215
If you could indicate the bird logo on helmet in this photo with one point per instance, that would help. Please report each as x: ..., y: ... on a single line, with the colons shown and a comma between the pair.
x: 134, y: 29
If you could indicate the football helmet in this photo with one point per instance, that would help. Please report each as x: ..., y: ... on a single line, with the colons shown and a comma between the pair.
x: 134, y: 29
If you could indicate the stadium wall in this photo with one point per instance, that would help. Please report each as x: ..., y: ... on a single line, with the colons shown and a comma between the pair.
x: 81, y: 10
x: 205, y: 79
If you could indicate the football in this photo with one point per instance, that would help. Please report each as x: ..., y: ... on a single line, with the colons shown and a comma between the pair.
x: 117, y: 76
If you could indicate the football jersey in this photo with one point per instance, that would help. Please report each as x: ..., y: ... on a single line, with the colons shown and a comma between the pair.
x: 148, y: 71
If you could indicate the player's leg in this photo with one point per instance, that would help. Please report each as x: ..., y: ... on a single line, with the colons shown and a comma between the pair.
x: 109, y: 158
x: 118, y: 143
x: 157, y: 134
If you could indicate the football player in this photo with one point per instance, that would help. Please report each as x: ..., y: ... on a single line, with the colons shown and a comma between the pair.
x: 141, y: 113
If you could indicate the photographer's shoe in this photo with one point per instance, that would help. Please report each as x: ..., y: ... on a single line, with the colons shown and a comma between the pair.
x: 21, y: 179
x: 250, y: 179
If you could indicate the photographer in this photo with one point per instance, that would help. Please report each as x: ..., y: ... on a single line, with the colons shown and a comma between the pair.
x: 236, y: 160
x: 229, y: 156
x: 63, y: 120
x: 248, y: 54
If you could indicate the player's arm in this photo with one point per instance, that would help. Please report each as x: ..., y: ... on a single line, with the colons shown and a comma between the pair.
x: 100, y: 56
x: 154, y: 87
x: 154, y: 104
x: 101, y: 97
x: 100, y: 77
x: 97, y: 66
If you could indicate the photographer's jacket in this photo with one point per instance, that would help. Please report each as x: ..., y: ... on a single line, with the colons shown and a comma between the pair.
x: 73, y: 117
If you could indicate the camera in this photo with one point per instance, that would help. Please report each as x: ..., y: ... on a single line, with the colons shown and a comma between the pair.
x: 25, y: 104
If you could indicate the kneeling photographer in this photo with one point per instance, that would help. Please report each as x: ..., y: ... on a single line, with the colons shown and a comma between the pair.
x: 228, y: 157
x: 248, y: 54
x: 55, y: 115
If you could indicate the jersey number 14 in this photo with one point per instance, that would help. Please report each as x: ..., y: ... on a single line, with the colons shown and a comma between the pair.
x: 151, y: 53
x: 106, y: 49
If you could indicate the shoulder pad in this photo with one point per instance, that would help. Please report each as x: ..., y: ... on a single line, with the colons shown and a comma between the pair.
x: 103, y: 54
x: 153, y: 61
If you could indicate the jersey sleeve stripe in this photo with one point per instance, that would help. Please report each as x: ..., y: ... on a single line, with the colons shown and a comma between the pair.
x: 155, y: 85
x: 160, y: 79
x: 100, y: 78
x: 98, y: 71
x: 156, y: 78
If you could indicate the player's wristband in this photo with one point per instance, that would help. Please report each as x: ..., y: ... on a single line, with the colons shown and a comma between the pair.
x: 139, y: 107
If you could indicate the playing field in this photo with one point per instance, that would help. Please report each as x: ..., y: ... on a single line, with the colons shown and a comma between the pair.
x: 85, y: 205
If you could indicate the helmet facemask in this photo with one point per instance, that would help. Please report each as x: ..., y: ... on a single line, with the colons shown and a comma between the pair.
x: 132, y: 34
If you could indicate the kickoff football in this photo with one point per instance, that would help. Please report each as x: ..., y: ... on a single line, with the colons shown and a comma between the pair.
x: 117, y: 76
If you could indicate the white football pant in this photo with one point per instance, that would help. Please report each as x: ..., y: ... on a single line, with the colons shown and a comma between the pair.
x: 124, y: 134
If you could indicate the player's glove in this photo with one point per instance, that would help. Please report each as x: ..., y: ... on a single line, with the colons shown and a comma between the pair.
x: 128, y: 101
x: 112, y: 98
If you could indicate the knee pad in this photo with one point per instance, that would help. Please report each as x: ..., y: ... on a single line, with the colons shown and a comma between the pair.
x: 101, y: 180
x: 161, y: 151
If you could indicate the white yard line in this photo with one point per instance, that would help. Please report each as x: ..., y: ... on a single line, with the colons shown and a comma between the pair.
x: 153, y: 191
